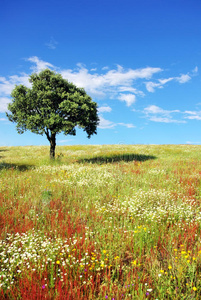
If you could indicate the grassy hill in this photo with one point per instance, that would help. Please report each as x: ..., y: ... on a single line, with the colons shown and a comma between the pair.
x: 100, y: 222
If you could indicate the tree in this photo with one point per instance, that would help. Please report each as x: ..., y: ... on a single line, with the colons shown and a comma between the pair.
x: 52, y: 105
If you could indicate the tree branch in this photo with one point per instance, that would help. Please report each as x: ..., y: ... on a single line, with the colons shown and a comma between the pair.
x: 47, y: 134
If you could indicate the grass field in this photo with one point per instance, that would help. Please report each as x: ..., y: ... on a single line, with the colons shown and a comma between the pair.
x: 101, y: 222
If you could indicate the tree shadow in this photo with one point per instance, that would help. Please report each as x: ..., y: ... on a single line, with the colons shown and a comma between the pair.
x: 19, y: 167
x: 117, y: 158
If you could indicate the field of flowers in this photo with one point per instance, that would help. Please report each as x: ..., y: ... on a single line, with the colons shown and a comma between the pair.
x: 100, y: 222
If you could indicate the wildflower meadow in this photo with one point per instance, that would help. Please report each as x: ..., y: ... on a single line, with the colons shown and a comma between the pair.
x: 100, y: 222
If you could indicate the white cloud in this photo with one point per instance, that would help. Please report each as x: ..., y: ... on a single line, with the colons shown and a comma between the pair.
x: 126, y: 77
x: 153, y: 109
x: 128, y: 98
x: 39, y: 64
x: 117, y: 83
x: 7, y: 85
x: 164, y: 81
x: 183, y: 78
x: 104, y: 109
x: 110, y: 83
x: 3, y: 119
x: 150, y: 86
x: 157, y: 114
x: 4, y: 104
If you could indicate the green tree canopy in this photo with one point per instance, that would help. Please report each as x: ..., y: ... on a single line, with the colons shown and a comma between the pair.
x: 52, y: 105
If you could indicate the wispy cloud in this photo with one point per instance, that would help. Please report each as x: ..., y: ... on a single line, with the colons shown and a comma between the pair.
x: 105, y: 124
x: 153, y: 109
x: 183, y: 78
x: 52, y: 44
x: 104, y: 109
x: 193, y: 143
x: 157, y: 114
x: 195, y: 71
x: 192, y: 115
x: 128, y: 125
x: 151, y: 86
x: 64, y: 141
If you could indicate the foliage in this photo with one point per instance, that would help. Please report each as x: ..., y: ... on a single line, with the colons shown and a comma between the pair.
x: 50, y: 106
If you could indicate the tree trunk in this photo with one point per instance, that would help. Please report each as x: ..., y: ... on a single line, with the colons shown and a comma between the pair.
x: 52, y: 145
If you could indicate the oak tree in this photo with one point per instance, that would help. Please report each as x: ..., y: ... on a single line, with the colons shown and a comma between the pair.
x: 50, y: 106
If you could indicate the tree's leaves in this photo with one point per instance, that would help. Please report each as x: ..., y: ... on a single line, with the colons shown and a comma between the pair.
x: 52, y: 105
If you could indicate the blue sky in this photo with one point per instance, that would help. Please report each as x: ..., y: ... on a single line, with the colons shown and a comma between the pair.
x: 138, y: 59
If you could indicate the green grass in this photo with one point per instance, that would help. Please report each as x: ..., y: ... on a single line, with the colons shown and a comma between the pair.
x: 100, y: 222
